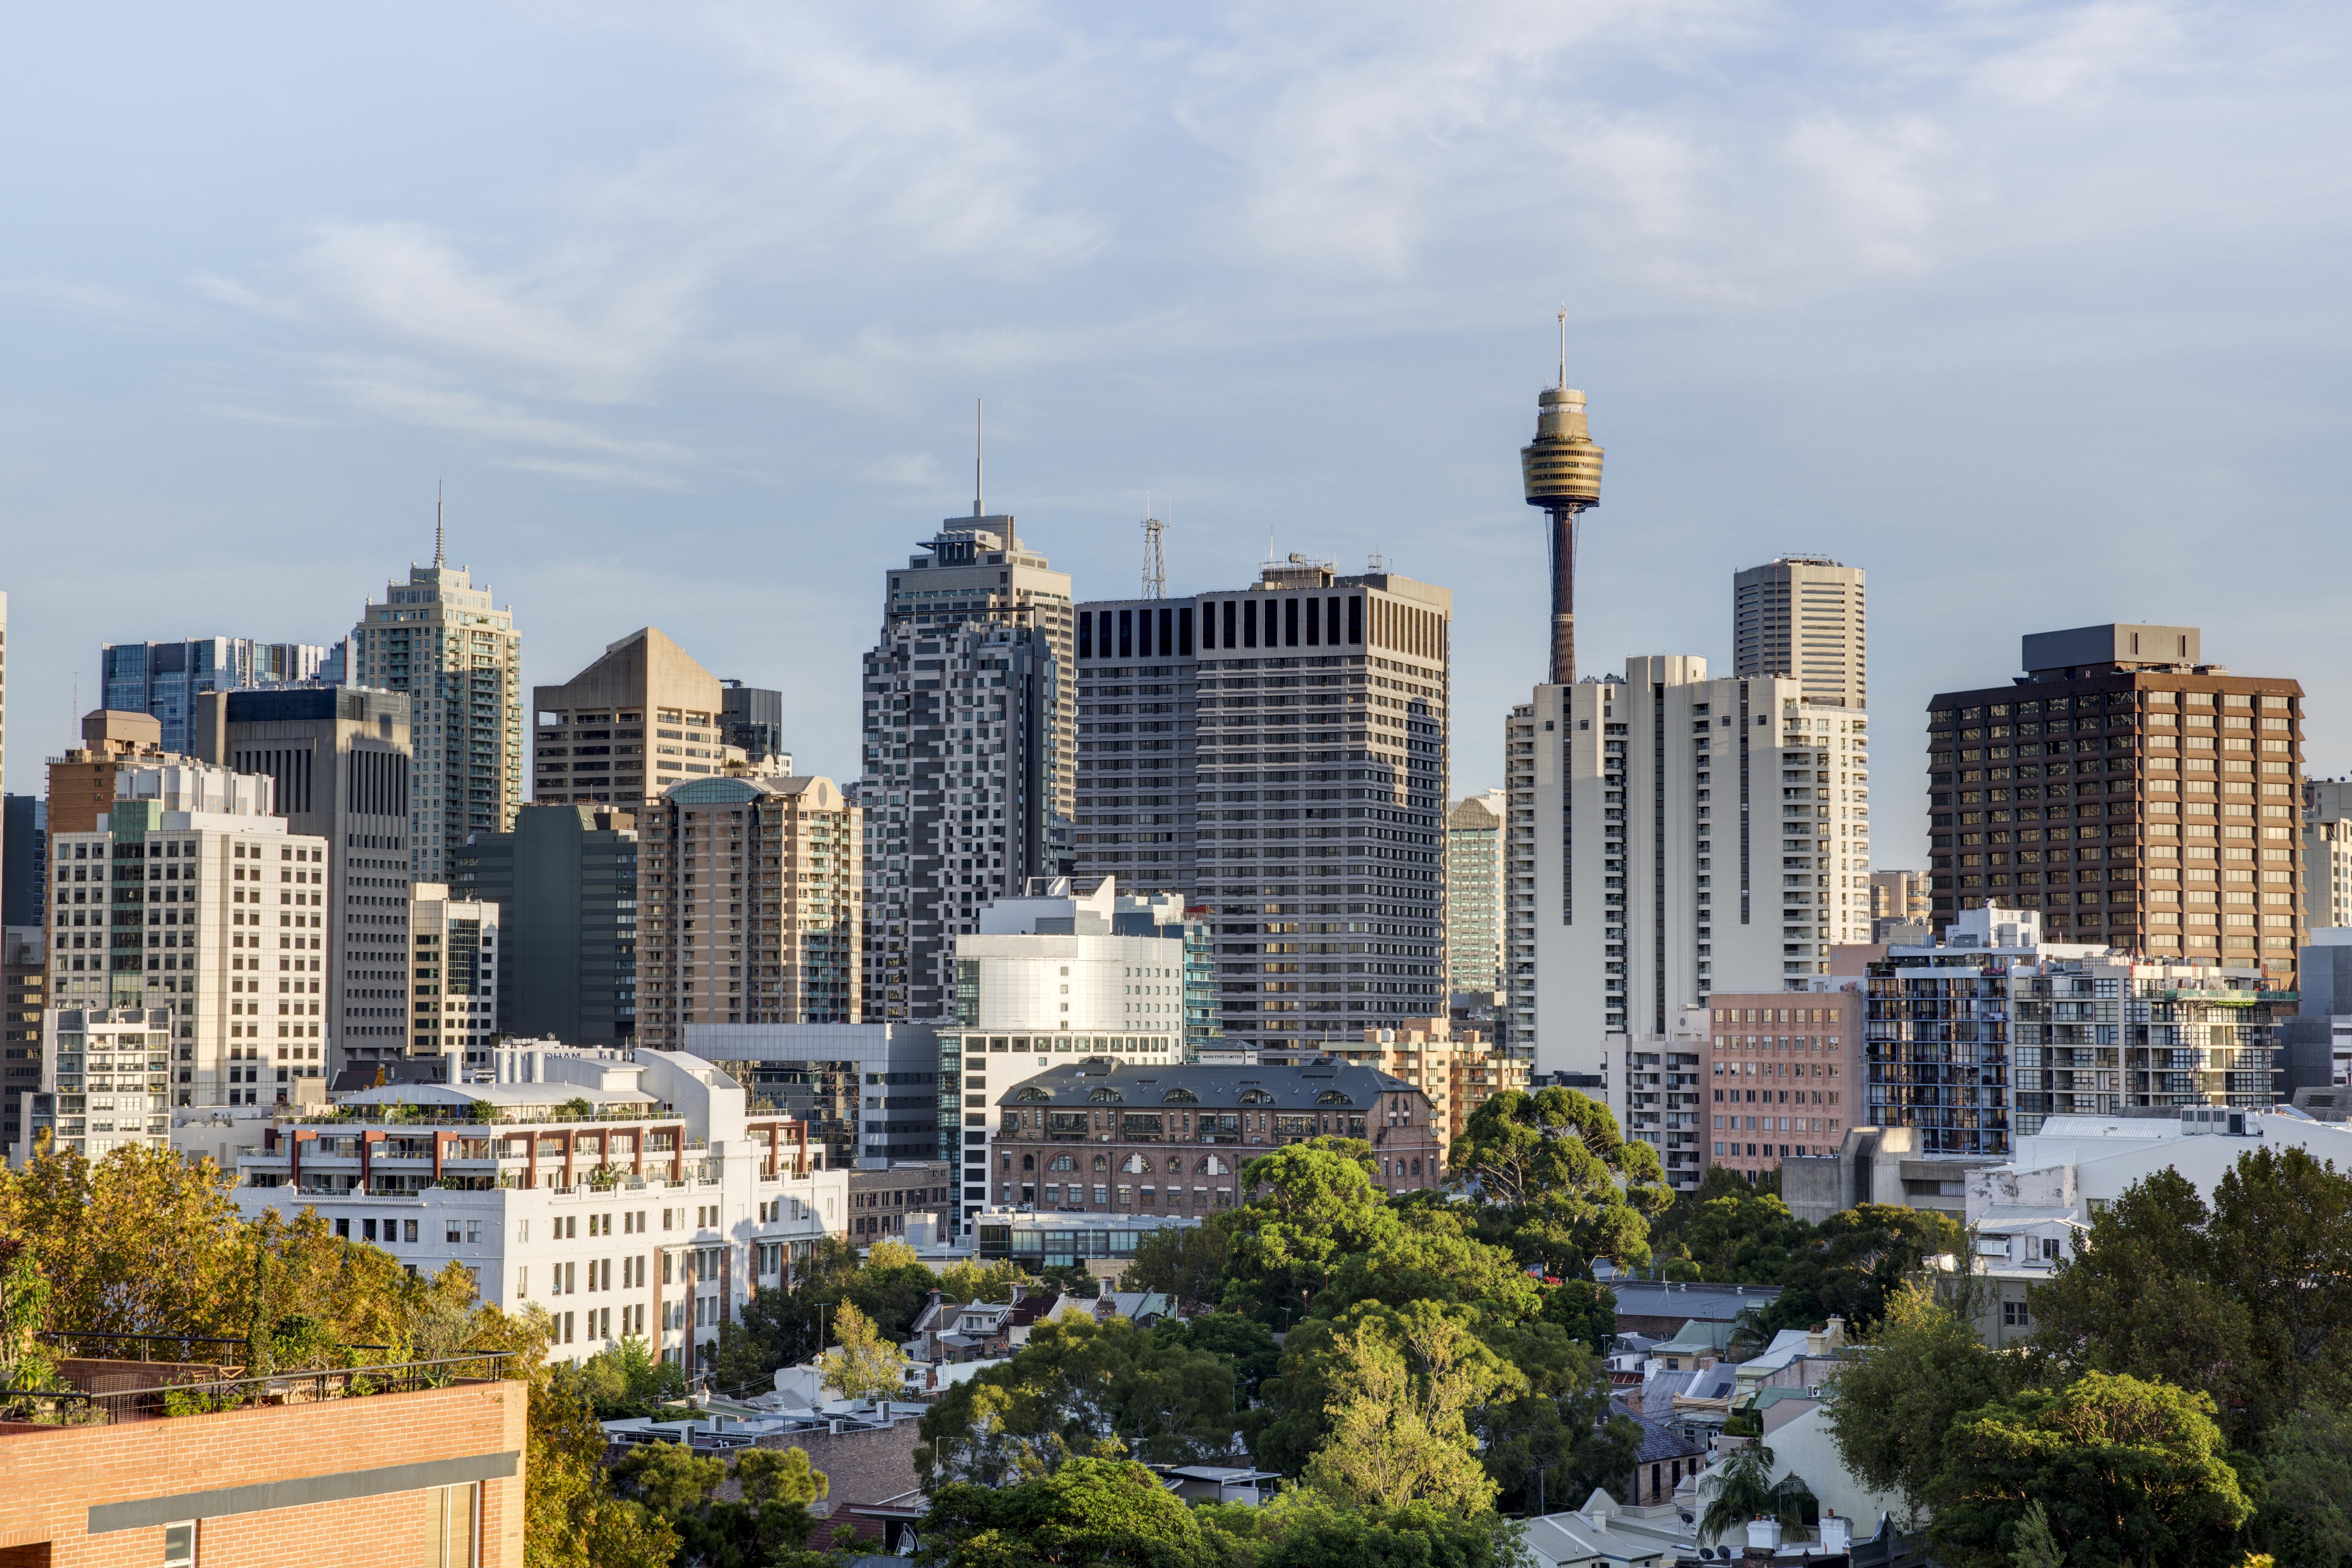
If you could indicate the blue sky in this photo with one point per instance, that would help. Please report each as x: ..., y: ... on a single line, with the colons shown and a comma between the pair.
x: 2035, y: 311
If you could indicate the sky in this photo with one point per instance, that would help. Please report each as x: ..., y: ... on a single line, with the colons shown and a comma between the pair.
x: 2037, y: 313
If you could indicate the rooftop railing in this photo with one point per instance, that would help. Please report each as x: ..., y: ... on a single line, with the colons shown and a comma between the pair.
x: 107, y: 1403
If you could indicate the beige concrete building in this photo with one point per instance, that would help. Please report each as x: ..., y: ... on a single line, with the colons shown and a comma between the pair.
x: 748, y: 906
x: 1473, y: 892
x: 590, y: 743
x: 1801, y: 615
x: 1458, y: 1071
x: 81, y: 781
x: 453, y: 978
x: 1898, y: 897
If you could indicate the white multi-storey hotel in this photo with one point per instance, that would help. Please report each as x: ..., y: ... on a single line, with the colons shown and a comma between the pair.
x: 1690, y: 835
x: 628, y: 1195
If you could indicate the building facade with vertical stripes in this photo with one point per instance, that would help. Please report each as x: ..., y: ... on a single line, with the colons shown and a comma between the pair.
x: 1280, y: 753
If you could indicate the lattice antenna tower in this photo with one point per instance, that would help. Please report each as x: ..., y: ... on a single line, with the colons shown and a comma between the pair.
x: 1155, y: 561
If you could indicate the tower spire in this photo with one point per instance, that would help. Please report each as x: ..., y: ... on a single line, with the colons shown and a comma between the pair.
x: 440, y: 555
x: 1562, y: 382
x: 978, y: 435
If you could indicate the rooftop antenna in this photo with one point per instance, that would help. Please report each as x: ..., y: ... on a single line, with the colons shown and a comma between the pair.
x: 439, y: 557
x: 979, y: 432
x: 1155, y: 564
x: 1563, y: 347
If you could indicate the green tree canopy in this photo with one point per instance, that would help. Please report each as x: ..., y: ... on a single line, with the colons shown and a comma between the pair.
x: 1072, y: 1383
x: 1402, y: 1389
x: 1565, y: 1184
x: 1311, y: 1207
x: 1924, y: 1371
x: 1184, y: 1262
x: 1088, y: 1512
x: 2125, y: 1472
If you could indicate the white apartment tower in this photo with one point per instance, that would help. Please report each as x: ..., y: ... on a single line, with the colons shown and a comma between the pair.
x: 440, y: 639
x: 1691, y: 835
x: 1473, y: 892
x: 2328, y: 852
x: 454, y: 975
x: 195, y: 899
x: 1803, y: 616
x: 1515, y: 1026
x: 969, y: 699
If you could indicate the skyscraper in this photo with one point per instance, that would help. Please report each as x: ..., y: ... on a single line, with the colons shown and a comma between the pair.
x: 165, y: 678
x: 2134, y: 795
x: 2328, y: 852
x: 750, y: 909
x: 1515, y: 1026
x: 565, y: 880
x: 1473, y: 892
x: 1803, y: 616
x: 1691, y: 835
x: 453, y: 977
x: 1137, y: 704
x: 970, y: 704
x: 24, y: 859
x: 341, y: 759
x: 459, y: 658
x: 591, y: 745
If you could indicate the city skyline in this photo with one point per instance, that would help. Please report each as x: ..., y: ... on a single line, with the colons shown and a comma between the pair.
x: 745, y: 321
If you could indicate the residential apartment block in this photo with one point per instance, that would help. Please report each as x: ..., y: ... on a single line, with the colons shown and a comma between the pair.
x: 1103, y: 1137
x: 1801, y: 615
x: 1517, y: 1025
x: 2328, y: 852
x: 1782, y: 1075
x: 1456, y: 1072
x: 1691, y: 835
x: 24, y: 995
x: 1975, y: 1041
x: 655, y: 1216
x: 81, y: 781
x: 590, y: 744
x: 750, y: 910
x: 965, y: 760
x: 565, y: 882
x: 866, y: 1092
x: 196, y: 898
x: 2138, y: 798
x: 460, y: 659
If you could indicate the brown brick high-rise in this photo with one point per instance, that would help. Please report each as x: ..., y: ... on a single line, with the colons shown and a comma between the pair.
x: 2139, y: 799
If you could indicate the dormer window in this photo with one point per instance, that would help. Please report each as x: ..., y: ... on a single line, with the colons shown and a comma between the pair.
x: 1180, y: 1097
x: 1107, y: 1097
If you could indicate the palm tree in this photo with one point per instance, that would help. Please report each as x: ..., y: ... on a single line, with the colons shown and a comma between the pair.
x: 1742, y: 1486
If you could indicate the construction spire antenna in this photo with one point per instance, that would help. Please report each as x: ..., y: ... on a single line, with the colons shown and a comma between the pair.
x: 439, y: 556
x: 978, y: 435
x: 1560, y: 469
x: 1155, y: 564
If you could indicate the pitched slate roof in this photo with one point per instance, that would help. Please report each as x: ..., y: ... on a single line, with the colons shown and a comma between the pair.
x: 1098, y: 1081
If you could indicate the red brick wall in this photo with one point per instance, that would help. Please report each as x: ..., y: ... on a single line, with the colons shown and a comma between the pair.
x: 50, y: 1479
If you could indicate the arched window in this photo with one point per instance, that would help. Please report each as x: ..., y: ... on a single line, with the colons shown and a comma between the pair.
x: 1332, y: 1097
x: 1214, y: 1165
x: 1063, y: 1162
x: 1416, y: 1167
x: 1180, y: 1097
x: 1256, y: 1096
x: 1028, y: 1161
x: 1107, y: 1097
x: 1175, y: 1164
x: 1136, y: 1166
x: 1101, y: 1164
x: 1032, y: 1096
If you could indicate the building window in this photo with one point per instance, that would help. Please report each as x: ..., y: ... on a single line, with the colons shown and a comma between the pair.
x: 451, y: 1528
x: 180, y: 1545
x: 2012, y: 1315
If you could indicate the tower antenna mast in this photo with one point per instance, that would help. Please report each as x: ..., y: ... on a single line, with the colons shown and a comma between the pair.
x: 1155, y: 564
x: 440, y: 557
x: 1560, y: 469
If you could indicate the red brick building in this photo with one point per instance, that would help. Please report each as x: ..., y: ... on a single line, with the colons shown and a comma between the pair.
x: 432, y: 1479
x: 1116, y: 1138
x: 1781, y: 1074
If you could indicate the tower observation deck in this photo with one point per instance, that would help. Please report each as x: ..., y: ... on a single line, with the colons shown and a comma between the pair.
x: 1561, y: 471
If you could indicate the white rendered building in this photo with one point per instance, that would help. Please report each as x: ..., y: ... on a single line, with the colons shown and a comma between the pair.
x: 197, y: 899
x: 655, y: 1213
x: 1055, y: 974
x: 106, y: 1081
x: 453, y: 975
x: 1691, y: 835
x: 1803, y: 616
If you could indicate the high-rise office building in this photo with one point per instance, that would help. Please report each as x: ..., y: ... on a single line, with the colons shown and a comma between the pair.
x: 642, y: 718
x: 2134, y: 795
x: 565, y: 881
x: 969, y: 705
x: 194, y: 898
x: 752, y: 718
x: 81, y: 781
x: 165, y: 678
x: 1691, y: 835
x: 459, y: 658
x: 340, y: 757
x: 750, y: 910
x: 24, y: 859
x: 1803, y: 616
x: 2328, y: 852
x: 452, y: 976
x: 1322, y: 745
x: 1137, y: 773
x: 1473, y: 892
